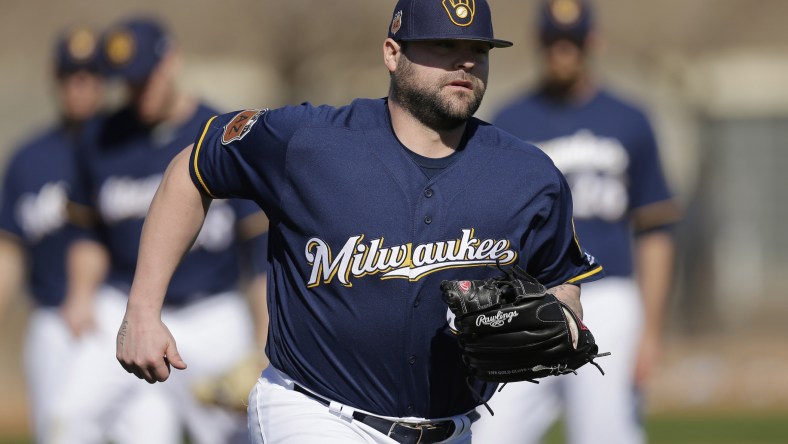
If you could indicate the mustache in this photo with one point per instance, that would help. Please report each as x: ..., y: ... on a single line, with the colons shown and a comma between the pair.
x: 461, y: 76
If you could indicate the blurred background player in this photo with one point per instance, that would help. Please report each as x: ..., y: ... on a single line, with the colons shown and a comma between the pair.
x: 623, y: 212
x: 121, y: 166
x: 33, y: 230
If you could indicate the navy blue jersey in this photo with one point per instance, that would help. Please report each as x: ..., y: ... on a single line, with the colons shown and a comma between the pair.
x: 34, y: 197
x: 121, y: 168
x: 361, y: 238
x: 607, y: 150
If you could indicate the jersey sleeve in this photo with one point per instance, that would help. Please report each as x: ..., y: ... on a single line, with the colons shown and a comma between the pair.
x: 554, y: 251
x: 80, y: 191
x: 242, y: 154
x: 8, y: 201
x: 651, y: 201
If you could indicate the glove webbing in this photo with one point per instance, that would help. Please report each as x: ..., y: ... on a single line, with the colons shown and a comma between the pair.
x: 477, y: 396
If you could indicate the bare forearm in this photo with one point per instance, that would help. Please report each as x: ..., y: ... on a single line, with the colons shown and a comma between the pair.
x: 655, y: 254
x: 174, y: 219
x: 12, y: 270
x: 87, y: 265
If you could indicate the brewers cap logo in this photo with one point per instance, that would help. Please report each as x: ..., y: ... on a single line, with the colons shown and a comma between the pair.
x: 81, y: 44
x: 120, y: 47
x: 240, y: 125
x: 396, y: 23
x: 565, y: 12
x: 460, y: 11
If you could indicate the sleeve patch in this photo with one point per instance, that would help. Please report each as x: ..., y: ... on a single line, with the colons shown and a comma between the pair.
x: 240, y: 125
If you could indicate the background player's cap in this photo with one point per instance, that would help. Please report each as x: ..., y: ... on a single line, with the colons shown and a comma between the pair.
x: 76, y: 50
x: 565, y: 20
x: 133, y: 48
x: 415, y: 20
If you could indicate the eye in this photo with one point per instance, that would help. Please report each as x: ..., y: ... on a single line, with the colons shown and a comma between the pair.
x: 481, y: 49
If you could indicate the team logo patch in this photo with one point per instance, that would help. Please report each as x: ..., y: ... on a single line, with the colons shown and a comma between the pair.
x: 240, y: 125
x: 460, y: 12
x: 396, y: 22
x: 81, y: 44
x: 120, y: 47
x: 565, y: 12
x: 464, y: 286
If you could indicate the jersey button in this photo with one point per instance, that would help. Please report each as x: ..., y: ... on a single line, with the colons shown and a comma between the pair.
x: 412, y: 360
x: 428, y: 192
x: 427, y: 220
x: 410, y: 409
x: 416, y: 303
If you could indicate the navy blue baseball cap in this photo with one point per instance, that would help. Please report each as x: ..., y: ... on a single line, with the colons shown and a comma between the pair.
x: 416, y: 20
x: 76, y: 50
x: 565, y: 20
x: 132, y: 49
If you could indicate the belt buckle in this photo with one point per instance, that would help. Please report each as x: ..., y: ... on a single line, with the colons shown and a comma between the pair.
x: 419, y: 427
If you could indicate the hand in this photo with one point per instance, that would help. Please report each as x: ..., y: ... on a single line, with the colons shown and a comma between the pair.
x: 146, y: 348
x: 570, y: 295
x: 78, y: 314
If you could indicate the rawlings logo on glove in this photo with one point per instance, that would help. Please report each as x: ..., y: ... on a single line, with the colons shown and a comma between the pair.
x: 511, y: 329
x: 496, y: 321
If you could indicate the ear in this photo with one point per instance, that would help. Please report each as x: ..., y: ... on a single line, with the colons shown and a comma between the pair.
x: 391, y: 54
x: 174, y: 59
x: 170, y: 63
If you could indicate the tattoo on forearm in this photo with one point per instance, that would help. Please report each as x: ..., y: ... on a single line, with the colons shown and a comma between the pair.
x: 558, y: 289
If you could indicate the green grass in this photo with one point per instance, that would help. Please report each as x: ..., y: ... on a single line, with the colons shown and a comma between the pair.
x: 690, y: 428
x: 727, y: 428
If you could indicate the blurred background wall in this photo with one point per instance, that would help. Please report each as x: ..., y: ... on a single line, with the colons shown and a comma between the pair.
x: 712, y: 74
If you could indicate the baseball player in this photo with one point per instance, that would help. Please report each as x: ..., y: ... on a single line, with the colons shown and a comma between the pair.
x: 372, y: 205
x: 121, y: 166
x: 623, y: 212
x: 33, y: 230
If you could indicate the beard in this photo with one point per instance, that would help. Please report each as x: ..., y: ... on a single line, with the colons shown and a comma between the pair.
x: 427, y: 102
x: 560, y: 88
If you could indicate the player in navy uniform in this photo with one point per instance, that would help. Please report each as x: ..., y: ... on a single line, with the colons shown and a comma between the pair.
x: 606, y: 149
x: 372, y: 205
x: 121, y: 166
x: 33, y: 234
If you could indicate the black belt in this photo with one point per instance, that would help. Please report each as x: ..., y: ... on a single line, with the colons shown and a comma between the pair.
x: 402, y: 432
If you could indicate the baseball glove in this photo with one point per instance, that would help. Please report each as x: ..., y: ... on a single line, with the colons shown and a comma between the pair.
x: 230, y: 390
x: 510, y: 329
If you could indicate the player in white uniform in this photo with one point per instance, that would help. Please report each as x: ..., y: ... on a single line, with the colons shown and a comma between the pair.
x: 34, y: 235
x: 373, y: 205
x: 121, y: 165
x: 623, y: 213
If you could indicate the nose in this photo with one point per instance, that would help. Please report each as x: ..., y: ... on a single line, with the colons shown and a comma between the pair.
x: 465, y: 63
x: 468, y: 58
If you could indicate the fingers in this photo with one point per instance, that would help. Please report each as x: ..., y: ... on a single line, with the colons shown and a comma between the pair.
x: 150, y: 370
x: 79, y: 323
x: 146, y: 349
x: 174, y: 358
